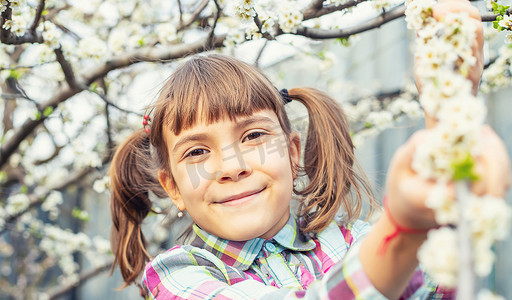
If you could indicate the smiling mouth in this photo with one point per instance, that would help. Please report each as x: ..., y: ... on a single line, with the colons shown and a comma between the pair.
x: 240, y: 198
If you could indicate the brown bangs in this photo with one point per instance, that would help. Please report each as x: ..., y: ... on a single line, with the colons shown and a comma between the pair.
x: 211, y: 88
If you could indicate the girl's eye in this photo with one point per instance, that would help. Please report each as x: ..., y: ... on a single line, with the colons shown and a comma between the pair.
x: 254, y: 135
x: 196, y: 152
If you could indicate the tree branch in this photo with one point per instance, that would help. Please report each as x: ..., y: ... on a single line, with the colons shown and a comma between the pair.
x: 257, y: 60
x: 38, y: 15
x: 259, y: 24
x: 194, y: 16
x: 61, y: 291
x: 66, y: 69
x: 38, y: 199
x: 180, y: 7
x: 8, y: 38
x: 212, y: 30
x: 151, y: 55
x: 322, y: 34
x: 141, y: 55
x: 110, y: 103
x: 315, y: 10
x: 9, y: 147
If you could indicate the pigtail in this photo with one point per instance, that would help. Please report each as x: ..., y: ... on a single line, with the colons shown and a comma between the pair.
x: 132, y: 176
x: 329, y: 163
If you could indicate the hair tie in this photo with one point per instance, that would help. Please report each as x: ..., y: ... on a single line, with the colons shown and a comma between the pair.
x: 285, y: 96
x: 146, y: 123
x: 398, y: 229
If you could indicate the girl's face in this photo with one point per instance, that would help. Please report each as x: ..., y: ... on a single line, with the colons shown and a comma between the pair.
x: 234, y: 178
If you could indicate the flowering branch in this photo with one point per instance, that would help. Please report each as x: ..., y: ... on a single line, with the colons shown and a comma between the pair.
x: 62, y: 290
x: 142, y: 55
x: 315, y: 10
x: 37, y: 18
x: 382, y: 19
x: 195, y: 15
x: 66, y: 69
x: 444, y: 60
x: 6, y: 35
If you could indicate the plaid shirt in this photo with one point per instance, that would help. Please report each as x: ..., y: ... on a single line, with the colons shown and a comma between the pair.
x: 289, y: 266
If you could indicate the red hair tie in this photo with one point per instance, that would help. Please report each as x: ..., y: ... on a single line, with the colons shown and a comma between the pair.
x: 398, y: 229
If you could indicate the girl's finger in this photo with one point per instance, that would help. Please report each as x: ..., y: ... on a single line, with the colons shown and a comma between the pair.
x: 492, y: 166
x: 454, y: 6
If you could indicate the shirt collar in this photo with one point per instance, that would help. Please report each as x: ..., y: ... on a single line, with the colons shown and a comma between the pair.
x: 241, y: 255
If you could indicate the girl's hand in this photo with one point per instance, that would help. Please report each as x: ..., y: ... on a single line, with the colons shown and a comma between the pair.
x: 444, y: 7
x: 407, y: 191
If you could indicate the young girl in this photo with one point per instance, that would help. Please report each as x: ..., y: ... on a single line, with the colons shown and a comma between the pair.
x: 220, y: 145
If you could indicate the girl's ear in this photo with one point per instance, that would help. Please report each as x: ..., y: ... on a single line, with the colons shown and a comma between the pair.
x: 295, y: 153
x: 170, y: 188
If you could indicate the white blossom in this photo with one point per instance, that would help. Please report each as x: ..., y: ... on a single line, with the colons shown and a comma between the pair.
x: 462, y: 115
x: 92, y: 47
x: 483, y: 259
x: 267, y: 25
x: 506, y: 22
x: 87, y: 159
x: 102, y: 245
x: 380, y: 119
x: 485, y: 294
x: 244, y: 11
x: 17, y: 6
x: 17, y: 25
x: 289, y: 16
x: 101, y: 184
x: 52, y: 202
x: 490, y: 218
x: 16, y: 204
x: 3, y: 5
x: 166, y: 32
x: 417, y: 12
x: 337, y: 2
x: 441, y: 265
x: 445, y: 208
x: 51, y: 34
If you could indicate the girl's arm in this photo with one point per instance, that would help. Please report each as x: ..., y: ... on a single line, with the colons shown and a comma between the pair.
x: 390, y: 271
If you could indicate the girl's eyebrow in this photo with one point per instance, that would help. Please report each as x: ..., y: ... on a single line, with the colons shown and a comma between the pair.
x: 190, y: 138
x: 248, y: 121
x: 241, y: 124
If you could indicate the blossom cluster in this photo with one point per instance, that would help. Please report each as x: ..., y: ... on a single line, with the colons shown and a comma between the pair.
x: 489, y: 221
x: 21, y: 16
x: 380, y: 114
x: 445, y: 58
x: 290, y: 17
x: 499, y: 73
x: 244, y: 10
x: 62, y: 244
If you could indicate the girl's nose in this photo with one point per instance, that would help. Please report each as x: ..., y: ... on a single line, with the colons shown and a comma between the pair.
x: 233, y: 169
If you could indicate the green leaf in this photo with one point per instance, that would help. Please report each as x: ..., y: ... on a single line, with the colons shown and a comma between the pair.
x: 3, y: 176
x: 464, y: 168
x: 368, y: 125
x: 343, y: 41
x: 93, y: 87
x: 48, y: 111
x: 38, y: 115
x: 23, y: 189
x: 80, y: 214
x: 16, y: 74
